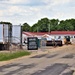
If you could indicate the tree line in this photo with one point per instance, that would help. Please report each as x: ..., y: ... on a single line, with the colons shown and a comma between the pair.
x: 45, y: 25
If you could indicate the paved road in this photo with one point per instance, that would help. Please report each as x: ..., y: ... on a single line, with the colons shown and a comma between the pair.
x: 53, y: 63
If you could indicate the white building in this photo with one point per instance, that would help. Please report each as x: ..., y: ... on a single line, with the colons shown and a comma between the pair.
x: 57, y: 35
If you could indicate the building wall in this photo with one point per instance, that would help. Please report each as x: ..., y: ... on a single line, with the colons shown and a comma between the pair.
x: 56, y: 37
x: 62, y: 36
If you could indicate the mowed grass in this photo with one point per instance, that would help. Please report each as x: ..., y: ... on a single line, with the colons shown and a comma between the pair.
x: 12, y: 55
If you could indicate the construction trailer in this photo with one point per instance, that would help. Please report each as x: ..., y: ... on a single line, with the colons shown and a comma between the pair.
x: 10, y: 36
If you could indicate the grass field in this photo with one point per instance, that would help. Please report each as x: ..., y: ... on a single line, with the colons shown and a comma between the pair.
x: 12, y: 55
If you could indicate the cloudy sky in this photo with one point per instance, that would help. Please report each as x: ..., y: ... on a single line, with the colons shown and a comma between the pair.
x: 30, y: 11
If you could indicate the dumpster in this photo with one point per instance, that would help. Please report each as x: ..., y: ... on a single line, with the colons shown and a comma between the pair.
x: 32, y: 43
x: 39, y: 43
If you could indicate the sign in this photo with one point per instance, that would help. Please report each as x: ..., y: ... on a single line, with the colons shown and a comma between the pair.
x: 32, y: 43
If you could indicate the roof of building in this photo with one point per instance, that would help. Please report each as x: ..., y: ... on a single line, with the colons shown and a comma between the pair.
x: 50, y: 33
x: 63, y: 32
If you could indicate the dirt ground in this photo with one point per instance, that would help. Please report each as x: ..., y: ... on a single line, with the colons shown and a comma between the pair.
x: 41, y: 51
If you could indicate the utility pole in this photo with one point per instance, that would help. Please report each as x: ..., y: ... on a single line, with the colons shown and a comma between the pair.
x: 21, y: 37
x: 49, y: 27
x: 37, y: 29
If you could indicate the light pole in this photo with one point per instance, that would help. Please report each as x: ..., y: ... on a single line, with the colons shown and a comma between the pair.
x: 37, y: 29
x: 49, y: 27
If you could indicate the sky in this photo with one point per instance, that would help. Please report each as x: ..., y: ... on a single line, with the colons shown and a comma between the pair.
x: 30, y: 11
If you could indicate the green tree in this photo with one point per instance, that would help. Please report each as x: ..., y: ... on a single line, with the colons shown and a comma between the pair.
x: 65, y: 26
x: 41, y: 25
x: 72, y: 21
x: 54, y: 24
x: 45, y: 25
x: 34, y: 28
x: 26, y: 27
